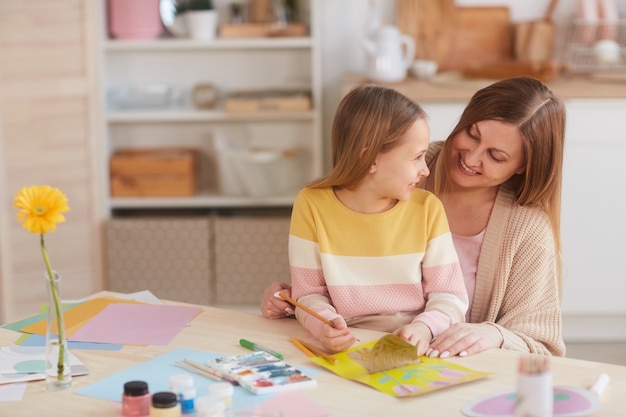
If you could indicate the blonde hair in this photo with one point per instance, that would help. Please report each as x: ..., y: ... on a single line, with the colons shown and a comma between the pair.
x: 540, y: 116
x: 369, y: 120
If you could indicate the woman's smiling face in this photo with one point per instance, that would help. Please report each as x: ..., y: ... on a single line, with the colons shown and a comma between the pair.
x: 486, y: 154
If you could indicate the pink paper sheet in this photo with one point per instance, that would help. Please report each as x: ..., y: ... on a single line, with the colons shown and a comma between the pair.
x: 136, y: 324
x: 293, y: 404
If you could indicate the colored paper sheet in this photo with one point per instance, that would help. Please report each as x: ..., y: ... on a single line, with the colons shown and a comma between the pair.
x: 39, y: 340
x: 429, y: 374
x: 19, y: 325
x: 156, y: 373
x: 75, y: 317
x: 568, y: 402
x: 12, y: 392
x: 293, y: 404
x: 19, y: 364
x: 136, y: 324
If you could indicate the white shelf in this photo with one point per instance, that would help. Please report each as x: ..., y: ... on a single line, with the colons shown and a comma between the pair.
x: 190, y: 115
x: 230, y: 65
x: 168, y: 44
x: 200, y: 201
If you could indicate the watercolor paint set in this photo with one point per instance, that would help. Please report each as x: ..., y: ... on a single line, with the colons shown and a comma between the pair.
x: 260, y: 372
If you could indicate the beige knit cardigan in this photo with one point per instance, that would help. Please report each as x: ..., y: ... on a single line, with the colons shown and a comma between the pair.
x: 517, y: 287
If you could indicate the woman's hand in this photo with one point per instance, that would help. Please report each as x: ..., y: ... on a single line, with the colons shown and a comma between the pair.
x: 416, y: 333
x: 465, y: 339
x: 273, y: 307
x: 338, y: 338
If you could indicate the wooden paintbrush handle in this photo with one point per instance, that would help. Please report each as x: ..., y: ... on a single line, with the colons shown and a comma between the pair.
x: 305, y: 308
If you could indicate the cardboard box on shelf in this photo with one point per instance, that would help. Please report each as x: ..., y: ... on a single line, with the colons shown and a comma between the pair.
x: 258, y: 171
x: 254, y: 101
x: 154, y: 172
x: 262, y: 30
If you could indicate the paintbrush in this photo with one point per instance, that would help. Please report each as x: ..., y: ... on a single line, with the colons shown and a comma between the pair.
x: 295, y: 303
x: 319, y: 352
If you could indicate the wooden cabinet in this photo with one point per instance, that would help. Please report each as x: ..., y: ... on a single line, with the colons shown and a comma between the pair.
x: 593, y: 221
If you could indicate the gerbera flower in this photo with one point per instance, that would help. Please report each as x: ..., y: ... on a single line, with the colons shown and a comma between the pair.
x: 41, y: 208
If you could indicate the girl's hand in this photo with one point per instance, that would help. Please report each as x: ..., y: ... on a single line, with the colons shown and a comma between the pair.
x: 273, y: 307
x: 418, y: 334
x: 338, y: 338
x: 465, y: 339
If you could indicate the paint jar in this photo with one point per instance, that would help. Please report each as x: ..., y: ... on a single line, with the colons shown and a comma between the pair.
x: 165, y: 404
x: 535, y: 395
x: 222, y: 391
x: 210, y: 407
x: 182, y: 385
x: 136, y: 399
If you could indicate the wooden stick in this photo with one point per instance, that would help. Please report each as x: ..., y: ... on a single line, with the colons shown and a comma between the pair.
x: 212, y: 371
x: 303, y: 307
x: 329, y: 358
x: 197, y: 371
x: 303, y: 348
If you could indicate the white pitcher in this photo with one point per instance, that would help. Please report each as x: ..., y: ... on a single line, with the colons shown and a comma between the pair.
x: 390, y: 54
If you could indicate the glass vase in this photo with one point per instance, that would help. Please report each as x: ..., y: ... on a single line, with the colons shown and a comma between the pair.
x: 58, y: 372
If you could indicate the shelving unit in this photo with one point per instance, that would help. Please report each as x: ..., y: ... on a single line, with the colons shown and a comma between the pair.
x: 230, y: 65
x: 220, y: 245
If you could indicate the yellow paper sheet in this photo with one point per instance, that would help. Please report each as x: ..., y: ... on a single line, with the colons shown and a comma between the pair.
x: 428, y: 374
x: 78, y: 315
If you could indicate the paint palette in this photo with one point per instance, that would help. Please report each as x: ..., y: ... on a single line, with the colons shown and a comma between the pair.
x: 568, y: 402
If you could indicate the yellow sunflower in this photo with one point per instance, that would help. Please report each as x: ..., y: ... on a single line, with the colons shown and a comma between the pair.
x: 41, y: 208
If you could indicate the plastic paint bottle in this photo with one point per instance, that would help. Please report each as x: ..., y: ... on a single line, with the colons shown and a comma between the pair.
x: 182, y: 386
x: 165, y: 404
x: 222, y: 391
x: 210, y: 407
x: 136, y: 399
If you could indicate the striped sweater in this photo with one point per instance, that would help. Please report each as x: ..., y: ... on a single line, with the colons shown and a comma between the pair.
x: 379, y: 270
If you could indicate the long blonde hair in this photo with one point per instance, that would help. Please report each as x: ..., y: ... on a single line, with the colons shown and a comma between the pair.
x: 540, y: 116
x: 369, y: 119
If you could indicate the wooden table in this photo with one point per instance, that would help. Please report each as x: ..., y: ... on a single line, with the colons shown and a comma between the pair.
x: 219, y: 330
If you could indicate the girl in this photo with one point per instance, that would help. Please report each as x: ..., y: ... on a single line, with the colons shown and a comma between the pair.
x: 366, y: 247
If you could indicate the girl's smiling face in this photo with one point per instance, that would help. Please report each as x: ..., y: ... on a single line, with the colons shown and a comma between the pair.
x: 400, y: 169
x: 486, y: 154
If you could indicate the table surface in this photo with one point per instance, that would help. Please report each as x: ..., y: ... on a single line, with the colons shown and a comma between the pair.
x: 219, y: 330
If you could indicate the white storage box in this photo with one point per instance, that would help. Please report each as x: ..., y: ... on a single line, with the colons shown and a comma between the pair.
x: 259, y: 172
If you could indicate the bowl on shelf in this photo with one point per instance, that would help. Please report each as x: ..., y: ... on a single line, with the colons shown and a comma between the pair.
x: 424, y: 69
x: 144, y: 96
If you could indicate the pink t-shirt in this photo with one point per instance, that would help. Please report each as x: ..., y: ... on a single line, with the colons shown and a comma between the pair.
x: 468, y: 250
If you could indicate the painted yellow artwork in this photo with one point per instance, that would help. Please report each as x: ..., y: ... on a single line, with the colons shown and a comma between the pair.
x: 391, y: 365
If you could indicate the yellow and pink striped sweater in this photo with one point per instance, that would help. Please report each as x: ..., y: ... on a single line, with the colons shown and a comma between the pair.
x: 380, y: 270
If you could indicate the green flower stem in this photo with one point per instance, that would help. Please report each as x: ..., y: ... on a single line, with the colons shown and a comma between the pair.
x: 57, y: 308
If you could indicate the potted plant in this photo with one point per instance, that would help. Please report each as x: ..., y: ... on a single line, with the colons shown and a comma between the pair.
x: 183, y: 6
x: 200, y: 17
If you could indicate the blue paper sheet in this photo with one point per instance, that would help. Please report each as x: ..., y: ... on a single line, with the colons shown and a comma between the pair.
x: 156, y: 373
x: 39, y: 340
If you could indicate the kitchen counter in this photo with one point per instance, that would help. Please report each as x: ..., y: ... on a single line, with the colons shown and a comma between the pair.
x: 451, y: 86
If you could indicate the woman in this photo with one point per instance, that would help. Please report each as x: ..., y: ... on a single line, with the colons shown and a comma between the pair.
x: 499, y: 177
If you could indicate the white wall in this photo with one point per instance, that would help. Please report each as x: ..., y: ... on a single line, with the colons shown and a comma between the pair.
x: 344, y: 23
